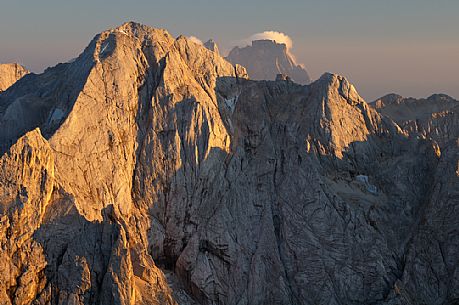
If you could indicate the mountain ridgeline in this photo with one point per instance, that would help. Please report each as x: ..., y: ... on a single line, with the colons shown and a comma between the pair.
x: 150, y: 170
x: 435, y: 117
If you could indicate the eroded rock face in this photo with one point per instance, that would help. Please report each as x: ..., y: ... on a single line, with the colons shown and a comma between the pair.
x: 26, y: 179
x: 152, y: 171
x: 436, y: 117
x: 9, y: 74
x: 434, y: 246
x: 265, y: 59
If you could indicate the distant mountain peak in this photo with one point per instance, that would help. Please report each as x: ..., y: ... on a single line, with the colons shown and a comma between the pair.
x: 440, y: 97
x: 396, y: 99
x: 434, y: 117
x: 268, y: 42
x: 388, y: 99
x: 266, y: 58
x: 212, y: 45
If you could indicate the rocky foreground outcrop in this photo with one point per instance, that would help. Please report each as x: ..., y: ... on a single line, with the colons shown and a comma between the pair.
x: 265, y: 59
x: 9, y: 74
x: 152, y: 171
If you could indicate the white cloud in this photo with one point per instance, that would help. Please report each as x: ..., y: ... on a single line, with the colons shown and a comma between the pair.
x: 195, y: 40
x: 270, y: 35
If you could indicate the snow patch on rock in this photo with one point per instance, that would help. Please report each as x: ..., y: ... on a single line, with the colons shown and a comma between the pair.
x: 369, y: 187
x: 56, y: 116
x: 231, y: 102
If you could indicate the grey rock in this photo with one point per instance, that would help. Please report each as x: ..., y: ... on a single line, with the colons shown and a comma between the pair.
x: 265, y: 59
x: 212, y: 45
x: 281, y: 77
x: 436, y: 117
x: 151, y: 171
x: 433, y: 251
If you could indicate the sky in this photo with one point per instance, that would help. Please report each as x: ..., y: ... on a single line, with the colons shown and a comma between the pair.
x: 409, y: 47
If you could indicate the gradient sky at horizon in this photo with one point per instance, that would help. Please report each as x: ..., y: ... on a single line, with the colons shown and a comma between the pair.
x: 410, y: 47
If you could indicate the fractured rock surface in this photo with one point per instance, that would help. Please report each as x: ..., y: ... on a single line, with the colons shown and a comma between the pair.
x: 9, y: 74
x: 152, y: 171
x: 436, y: 117
x: 433, y: 253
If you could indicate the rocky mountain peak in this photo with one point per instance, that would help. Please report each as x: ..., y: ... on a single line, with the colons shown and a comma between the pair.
x: 264, y: 59
x: 151, y: 170
x: 395, y: 99
x: 212, y: 45
x: 388, y: 99
x: 434, y: 117
x: 269, y: 44
x: 439, y: 97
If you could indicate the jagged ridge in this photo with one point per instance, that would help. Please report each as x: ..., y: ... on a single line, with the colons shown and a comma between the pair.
x: 243, y: 192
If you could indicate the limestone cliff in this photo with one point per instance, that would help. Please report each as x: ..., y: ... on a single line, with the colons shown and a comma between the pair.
x: 9, y: 74
x: 152, y: 171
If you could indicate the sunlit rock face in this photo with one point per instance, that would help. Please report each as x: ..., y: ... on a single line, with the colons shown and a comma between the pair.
x: 265, y: 59
x: 150, y: 170
x: 9, y: 74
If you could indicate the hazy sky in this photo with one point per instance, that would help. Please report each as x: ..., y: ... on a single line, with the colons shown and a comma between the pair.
x: 410, y: 47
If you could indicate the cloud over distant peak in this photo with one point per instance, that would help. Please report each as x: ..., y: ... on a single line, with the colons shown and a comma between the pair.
x: 276, y: 36
x: 279, y: 37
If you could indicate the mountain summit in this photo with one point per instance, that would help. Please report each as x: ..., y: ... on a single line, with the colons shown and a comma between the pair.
x: 150, y: 170
x: 212, y: 45
x: 265, y: 59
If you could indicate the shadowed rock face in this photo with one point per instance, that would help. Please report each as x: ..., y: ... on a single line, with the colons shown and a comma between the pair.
x: 435, y: 118
x: 265, y: 59
x: 152, y: 171
x: 9, y: 74
x: 212, y: 45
